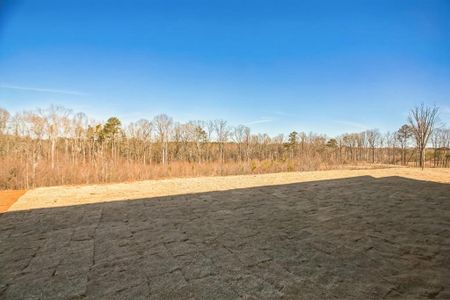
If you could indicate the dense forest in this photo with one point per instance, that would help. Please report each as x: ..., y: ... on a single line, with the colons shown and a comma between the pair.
x: 55, y: 146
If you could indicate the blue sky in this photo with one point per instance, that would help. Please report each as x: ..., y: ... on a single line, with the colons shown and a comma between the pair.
x: 324, y: 66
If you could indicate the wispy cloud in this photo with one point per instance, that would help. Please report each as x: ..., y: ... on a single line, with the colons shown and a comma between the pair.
x: 284, y: 114
x: 41, y: 90
x: 258, y: 121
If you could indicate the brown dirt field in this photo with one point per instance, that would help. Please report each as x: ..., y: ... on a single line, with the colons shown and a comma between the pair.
x: 359, y: 234
x: 8, y: 198
x: 58, y: 196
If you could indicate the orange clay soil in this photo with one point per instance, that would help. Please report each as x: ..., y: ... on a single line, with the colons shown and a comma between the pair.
x: 8, y: 198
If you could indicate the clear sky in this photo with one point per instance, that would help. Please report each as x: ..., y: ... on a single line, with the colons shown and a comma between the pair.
x: 324, y: 66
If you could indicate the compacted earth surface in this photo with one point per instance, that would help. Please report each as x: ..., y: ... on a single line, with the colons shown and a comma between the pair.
x: 361, y: 234
x: 8, y: 198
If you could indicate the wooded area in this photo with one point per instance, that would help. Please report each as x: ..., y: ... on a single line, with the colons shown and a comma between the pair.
x: 55, y: 146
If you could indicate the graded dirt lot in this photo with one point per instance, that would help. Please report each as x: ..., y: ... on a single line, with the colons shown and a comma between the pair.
x: 360, y: 234
x: 8, y: 198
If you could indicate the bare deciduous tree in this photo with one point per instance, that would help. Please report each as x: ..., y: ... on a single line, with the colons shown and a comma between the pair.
x: 422, y: 120
x: 238, y: 138
x: 54, y: 146
x: 222, y: 133
x: 163, y: 123
x: 373, y: 137
x: 4, y: 117
x: 144, y: 130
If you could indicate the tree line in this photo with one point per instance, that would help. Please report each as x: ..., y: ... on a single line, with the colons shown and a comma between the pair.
x: 54, y: 146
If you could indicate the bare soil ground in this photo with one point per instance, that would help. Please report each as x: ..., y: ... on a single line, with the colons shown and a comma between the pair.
x: 360, y: 234
x: 58, y: 196
x: 8, y: 198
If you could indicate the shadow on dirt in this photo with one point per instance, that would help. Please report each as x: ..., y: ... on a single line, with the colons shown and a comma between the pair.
x: 349, y: 238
